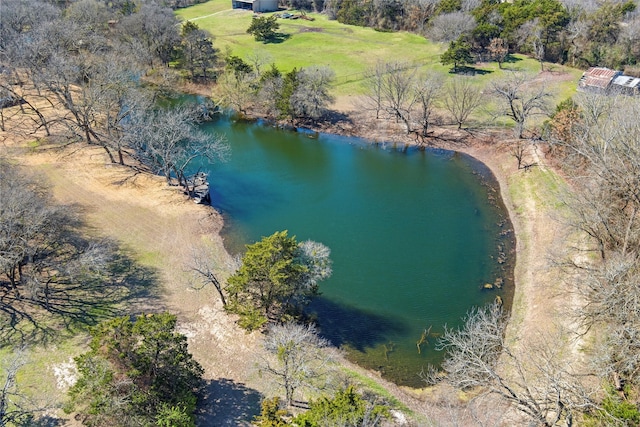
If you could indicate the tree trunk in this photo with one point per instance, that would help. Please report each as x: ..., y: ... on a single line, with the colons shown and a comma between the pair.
x: 109, y: 153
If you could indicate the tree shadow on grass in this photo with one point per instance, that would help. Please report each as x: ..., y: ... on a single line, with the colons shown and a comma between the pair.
x: 469, y: 71
x: 44, y: 421
x: 227, y: 403
x: 510, y: 59
x: 345, y: 325
x: 277, y: 38
x: 73, y: 299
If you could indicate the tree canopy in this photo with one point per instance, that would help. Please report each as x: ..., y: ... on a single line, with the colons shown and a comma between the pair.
x: 137, y: 372
x: 278, y: 276
x: 346, y: 408
x: 263, y: 28
x: 458, y: 53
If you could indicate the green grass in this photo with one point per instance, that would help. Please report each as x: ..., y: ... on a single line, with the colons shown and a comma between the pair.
x: 376, y: 388
x: 203, y: 9
x: 544, y: 186
x: 36, y: 379
x: 348, y: 50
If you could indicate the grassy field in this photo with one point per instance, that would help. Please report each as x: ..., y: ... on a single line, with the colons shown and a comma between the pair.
x: 347, y: 49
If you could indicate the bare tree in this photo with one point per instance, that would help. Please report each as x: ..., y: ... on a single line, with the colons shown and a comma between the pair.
x: 398, y: 92
x: 630, y: 37
x: 300, y: 358
x: 118, y: 96
x: 258, y: 59
x: 90, y: 13
x: 602, y: 158
x: 535, y: 380
x: 612, y: 302
x: 316, y: 258
x: 30, y: 223
x: 531, y: 33
x: 419, y: 12
x: 311, y: 96
x: 21, y: 16
x: 237, y: 90
x: 520, y: 98
x: 11, y: 412
x: 169, y: 141
x: 427, y: 92
x: 204, y: 267
x: 519, y: 149
x: 373, y: 85
x: 70, y: 77
x: 448, y: 27
x: 499, y: 50
x: 605, y: 158
x: 157, y: 28
x: 469, y: 5
x: 461, y: 99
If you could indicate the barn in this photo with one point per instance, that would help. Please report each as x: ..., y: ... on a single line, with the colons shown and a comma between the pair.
x: 607, y: 81
x: 256, y: 5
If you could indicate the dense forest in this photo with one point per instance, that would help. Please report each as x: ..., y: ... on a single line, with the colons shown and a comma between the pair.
x: 94, y: 72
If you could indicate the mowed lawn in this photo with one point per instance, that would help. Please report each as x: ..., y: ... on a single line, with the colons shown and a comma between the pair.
x: 349, y: 50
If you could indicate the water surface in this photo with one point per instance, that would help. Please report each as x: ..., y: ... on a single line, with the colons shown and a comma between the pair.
x: 415, y: 235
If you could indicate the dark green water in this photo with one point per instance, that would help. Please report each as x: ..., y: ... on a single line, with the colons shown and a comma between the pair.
x: 414, y: 235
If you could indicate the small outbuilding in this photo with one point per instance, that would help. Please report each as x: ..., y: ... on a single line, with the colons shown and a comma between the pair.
x: 597, y: 79
x: 607, y: 81
x: 626, y: 85
x: 256, y: 5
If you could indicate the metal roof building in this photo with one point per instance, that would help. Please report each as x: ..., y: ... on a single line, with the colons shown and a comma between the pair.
x: 626, y: 84
x: 256, y: 5
x: 598, y: 79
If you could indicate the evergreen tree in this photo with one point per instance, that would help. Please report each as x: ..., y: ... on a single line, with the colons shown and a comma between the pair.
x: 347, y: 408
x: 197, y: 54
x: 277, y: 278
x: 263, y: 28
x: 137, y: 373
x: 459, y: 53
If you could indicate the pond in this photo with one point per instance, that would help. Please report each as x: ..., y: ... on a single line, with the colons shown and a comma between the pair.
x: 414, y: 235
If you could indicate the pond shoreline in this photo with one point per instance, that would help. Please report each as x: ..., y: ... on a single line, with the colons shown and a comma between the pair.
x: 162, y: 238
x: 487, y: 146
